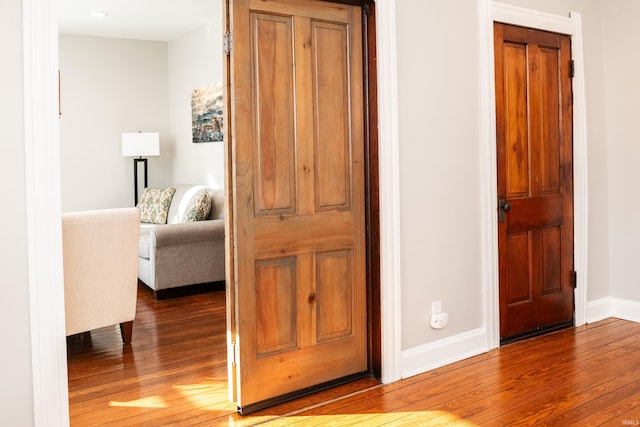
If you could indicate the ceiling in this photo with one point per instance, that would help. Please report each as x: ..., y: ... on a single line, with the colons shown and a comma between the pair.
x: 159, y: 20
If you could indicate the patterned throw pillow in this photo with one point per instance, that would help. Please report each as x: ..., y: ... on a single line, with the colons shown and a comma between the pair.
x: 199, y: 207
x: 154, y: 205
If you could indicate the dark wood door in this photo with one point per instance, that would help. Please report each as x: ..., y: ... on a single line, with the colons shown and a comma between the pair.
x: 535, y: 180
x: 297, y: 182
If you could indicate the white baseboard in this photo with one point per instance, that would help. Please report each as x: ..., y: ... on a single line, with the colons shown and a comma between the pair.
x: 627, y: 310
x: 599, y: 309
x: 433, y: 355
x: 613, y: 307
x: 443, y: 352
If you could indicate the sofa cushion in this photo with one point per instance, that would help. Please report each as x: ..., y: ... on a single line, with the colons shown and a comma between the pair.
x: 154, y: 205
x: 217, y: 203
x: 181, y: 199
x: 198, y: 207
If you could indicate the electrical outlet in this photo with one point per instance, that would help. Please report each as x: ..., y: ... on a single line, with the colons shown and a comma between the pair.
x: 436, y: 307
x: 439, y: 321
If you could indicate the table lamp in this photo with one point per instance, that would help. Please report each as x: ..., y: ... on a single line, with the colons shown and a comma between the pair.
x: 140, y: 145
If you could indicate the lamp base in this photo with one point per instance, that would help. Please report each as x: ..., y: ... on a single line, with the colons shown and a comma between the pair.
x: 135, y: 177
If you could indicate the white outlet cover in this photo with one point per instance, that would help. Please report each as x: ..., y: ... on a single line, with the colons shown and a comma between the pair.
x: 439, y: 321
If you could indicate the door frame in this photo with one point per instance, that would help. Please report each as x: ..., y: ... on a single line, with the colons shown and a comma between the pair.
x: 490, y: 12
x: 43, y: 211
x: 389, y: 169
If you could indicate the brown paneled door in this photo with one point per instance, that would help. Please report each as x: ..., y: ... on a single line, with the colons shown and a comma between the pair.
x: 297, y: 182
x: 535, y: 180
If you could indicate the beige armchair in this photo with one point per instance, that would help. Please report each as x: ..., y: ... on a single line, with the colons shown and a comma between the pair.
x: 100, y: 261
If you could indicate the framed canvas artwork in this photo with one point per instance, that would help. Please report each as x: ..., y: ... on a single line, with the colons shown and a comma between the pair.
x: 206, y: 113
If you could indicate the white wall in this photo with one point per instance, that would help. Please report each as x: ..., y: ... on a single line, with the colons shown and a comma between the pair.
x: 195, y: 61
x: 611, y: 68
x: 16, y: 394
x: 109, y: 86
x: 439, y: 164
x: 622, y: 67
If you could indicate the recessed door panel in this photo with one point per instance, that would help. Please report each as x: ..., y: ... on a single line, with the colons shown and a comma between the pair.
x: 517, y: 141
x: 335, y: 294
x: 272, y: 56
x: 276, y: 290
x: 331, y: 91
x: 519, y: 286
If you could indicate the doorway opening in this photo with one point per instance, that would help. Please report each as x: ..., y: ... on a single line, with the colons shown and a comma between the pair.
x: 372, y: 213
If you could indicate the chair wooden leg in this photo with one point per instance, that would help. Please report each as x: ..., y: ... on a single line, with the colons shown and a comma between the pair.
x: 126, y: 329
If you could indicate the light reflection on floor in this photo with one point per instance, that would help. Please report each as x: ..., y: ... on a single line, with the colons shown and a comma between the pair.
x: 202, y: 396
x: 145, y: 402
x: 205, y: 396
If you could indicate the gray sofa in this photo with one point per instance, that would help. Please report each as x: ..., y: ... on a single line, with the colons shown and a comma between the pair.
x: 178, y: 254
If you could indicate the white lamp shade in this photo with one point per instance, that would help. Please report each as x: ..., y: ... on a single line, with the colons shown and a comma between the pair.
x: 140, y: 144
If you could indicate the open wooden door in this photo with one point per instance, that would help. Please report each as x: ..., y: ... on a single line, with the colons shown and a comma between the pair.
x: 296, y: 182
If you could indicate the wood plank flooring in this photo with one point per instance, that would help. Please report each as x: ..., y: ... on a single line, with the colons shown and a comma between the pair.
x: 174, y: 373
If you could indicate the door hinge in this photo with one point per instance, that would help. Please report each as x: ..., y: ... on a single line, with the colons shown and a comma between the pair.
x: 574, y: 279
x: 233, y: 358
x: 572, y: 68
x: 227, y: 43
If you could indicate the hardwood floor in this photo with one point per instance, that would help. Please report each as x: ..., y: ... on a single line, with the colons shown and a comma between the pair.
x: 174, y: 373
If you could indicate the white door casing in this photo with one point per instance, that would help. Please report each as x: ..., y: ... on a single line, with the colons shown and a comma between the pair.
x: 490, y: 12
